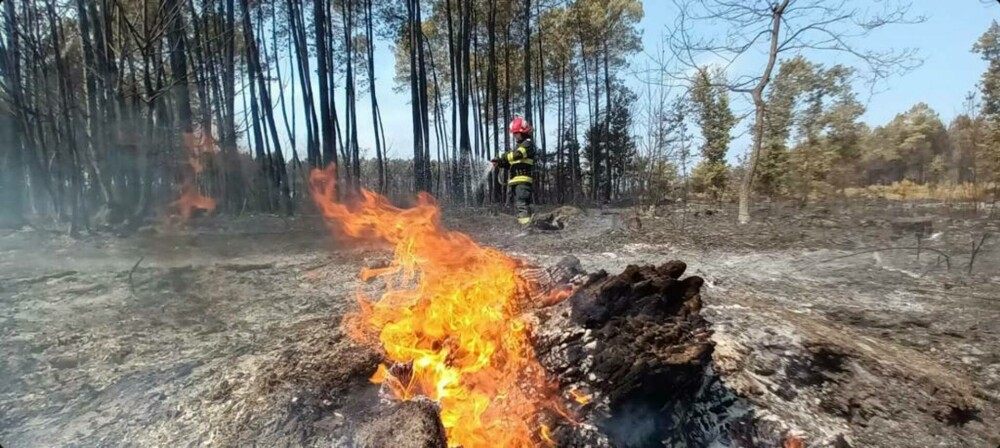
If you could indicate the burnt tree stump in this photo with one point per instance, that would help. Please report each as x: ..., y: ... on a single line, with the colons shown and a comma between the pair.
x: 636, y: 344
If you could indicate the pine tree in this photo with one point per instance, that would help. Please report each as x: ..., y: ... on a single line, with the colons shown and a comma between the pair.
x: 710, y: 101
x: 988, y: 154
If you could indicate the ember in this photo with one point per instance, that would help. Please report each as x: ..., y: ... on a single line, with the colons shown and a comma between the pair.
x: 580, y: 397
x: 451, y: 311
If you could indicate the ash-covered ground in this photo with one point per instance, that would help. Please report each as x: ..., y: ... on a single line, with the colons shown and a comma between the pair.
x: 225, y: 333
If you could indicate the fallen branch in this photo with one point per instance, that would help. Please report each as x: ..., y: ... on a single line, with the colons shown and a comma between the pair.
x: 131, y: 285
x: 241, y: 268
x: 975, y: 251
x: 43, y: 278
x: 947, y: 259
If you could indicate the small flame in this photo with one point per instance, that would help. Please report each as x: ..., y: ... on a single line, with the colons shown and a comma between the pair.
x: 579, y: 397
x: 546, y: 436
x: 191, y: 198
x: 794, y: 442
x: 451, y: 308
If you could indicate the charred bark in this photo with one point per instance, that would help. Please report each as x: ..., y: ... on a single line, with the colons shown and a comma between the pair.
x: 636, y: 345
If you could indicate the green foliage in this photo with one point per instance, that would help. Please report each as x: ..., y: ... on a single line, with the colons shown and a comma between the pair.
x: 791, y: 81
x: 966, y: 133
x: 988, y: 48
x: 987, y: 152
x: 710, y: 177
x: 906, y: 147
x: 710, y: 102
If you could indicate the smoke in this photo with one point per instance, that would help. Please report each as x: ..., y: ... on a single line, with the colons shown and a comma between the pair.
x: 704, y: 418
x: 636, y: 425
x: 12, y: 177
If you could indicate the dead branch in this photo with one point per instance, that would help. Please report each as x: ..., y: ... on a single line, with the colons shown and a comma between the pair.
x: 839, y: 26
x: 241, y: 268
x: 131, y: 285
x: 947, y: 259
x: 975, y: 251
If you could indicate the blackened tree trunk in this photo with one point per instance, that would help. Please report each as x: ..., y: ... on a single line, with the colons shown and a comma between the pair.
x: 94, y: 116
x: 455, y: 75
x: 464, y: 85
x: 424, y: 100
x: 275, y: 166
x: 235, y: 184
x: 542, y: 167
x: 606, y: 128
x: 492, y: 90
x: 178, y: 64
x: 328, y: 142
x: 72, y: 168
x: 376, y: 115
x: 351, y: 128
x: 527, y: 60
x: 201, y: 75
x: 574, y: 155
x: 417, y: 90
x: 12, y: 170
x: 313, y: 127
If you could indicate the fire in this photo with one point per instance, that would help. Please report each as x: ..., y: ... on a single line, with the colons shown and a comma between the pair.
x: 450, y: 307
x: 547, y: 436
x: 579, y: 397
x: 191, y: 198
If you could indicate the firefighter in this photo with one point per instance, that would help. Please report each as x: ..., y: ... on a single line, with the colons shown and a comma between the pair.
x: 521, y: 163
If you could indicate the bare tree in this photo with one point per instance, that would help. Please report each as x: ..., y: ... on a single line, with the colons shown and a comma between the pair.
x: 777, y: 28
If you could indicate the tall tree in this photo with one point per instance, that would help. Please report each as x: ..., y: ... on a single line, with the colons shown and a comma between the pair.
x: 789, y: 84
x: 988, y: 156
x: 324, y: 69
x: 739, y: 29
x: 377, y: 131
x: 710, y: 102
x: 966, y: 133
x: 12, y: 128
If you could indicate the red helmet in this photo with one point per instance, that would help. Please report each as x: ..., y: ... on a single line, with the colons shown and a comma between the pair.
x: 520, y: 126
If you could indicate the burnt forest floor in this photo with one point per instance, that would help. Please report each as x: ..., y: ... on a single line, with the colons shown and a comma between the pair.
x: 225, y: 331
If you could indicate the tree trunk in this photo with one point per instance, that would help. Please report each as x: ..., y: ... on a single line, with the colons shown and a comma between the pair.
x: 12, y: 173
x: 606, y: 128
x: 376, y: 117
x: 542, y: 168
x: 746, y: 188
x: 313, y: 127
x: 94, y: 118
x: 465, y: 81
x: 527, y: 60
x: 328, y: 140
x: 413, y: 27
x: 424, y: 101
x: 453, y: 84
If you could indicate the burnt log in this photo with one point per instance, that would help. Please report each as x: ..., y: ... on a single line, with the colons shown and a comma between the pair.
x: 557, y: 219
x: 635, y: 353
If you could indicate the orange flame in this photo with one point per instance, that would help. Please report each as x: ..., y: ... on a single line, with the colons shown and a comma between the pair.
x: 191, y: 198
x: 547, y: 436
x: 451, y: 307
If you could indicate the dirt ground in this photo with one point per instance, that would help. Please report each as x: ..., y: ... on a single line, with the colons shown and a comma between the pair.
x: 824, y: 317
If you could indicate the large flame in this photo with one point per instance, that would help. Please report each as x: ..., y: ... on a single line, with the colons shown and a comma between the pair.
x: 450, y: 307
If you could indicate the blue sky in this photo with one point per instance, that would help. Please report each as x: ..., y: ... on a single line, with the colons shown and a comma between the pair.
x: 949, y: 70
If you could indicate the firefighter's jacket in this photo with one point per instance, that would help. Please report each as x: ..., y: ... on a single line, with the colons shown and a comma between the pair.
x: 520, y: 161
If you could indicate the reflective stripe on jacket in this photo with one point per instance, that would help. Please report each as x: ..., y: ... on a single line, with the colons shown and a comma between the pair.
x: 521, y: 162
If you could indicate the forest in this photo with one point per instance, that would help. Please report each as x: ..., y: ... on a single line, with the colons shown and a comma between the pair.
x: 114, y: 112
x: 755, y: 223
